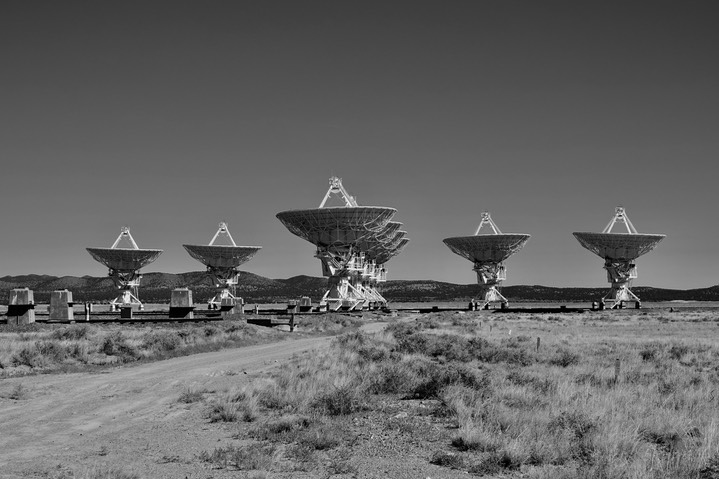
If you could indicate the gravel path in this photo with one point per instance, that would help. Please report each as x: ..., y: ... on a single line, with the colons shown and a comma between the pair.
x: 124, y: 417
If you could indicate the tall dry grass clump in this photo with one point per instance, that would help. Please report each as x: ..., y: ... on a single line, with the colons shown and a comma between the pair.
x: 51, y: 347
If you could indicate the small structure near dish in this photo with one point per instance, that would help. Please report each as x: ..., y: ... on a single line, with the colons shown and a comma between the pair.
x: 61, y: 306
x: 124, y: 264
x: 619, y: 251
x: 21, y: 306
x: 353, y: 244
x: 488, y: 252
x: 181, y: 306
x: 222, y: 262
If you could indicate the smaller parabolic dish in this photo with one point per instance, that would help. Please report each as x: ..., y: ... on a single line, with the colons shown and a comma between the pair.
x: 220, y: 256
x: 122, y: 259
x: 619, y: 246
x: 489, y: 248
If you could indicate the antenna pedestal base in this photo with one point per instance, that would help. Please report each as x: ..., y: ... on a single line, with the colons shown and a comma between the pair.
x: 491, y: 295
x: 126, y: 300
x: 342, y: 296
x: 226, y: 302
x: 620, y: 294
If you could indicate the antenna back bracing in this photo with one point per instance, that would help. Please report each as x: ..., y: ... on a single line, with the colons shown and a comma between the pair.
x: 124, y: 264
x: 488, y: 251
x: 619, y: 251
x: 353, y: 243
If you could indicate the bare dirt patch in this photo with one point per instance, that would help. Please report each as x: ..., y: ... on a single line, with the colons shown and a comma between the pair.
x: 128, y: 418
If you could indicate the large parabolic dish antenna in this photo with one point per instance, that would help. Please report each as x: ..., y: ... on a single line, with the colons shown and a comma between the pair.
x: 344, y: 236
x: 488, y: 253
x: 222, y: 262
x: 124, y: 259
x: 619, y: 251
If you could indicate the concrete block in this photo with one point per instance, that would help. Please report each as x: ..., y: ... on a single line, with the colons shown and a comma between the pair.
x: 61, y: 306
x: 181, y: 304
x: 21, y: 306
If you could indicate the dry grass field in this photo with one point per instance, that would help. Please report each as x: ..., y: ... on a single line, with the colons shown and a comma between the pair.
x: 45, y: 348
x: 614, y: 394
x: 601, y: 395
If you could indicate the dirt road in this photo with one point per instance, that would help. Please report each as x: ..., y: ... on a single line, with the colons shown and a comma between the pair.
x: 128, y: 417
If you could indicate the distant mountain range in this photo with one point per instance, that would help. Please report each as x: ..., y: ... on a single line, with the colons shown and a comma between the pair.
x: 156, y: 287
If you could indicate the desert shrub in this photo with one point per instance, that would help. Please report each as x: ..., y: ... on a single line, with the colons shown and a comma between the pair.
x: 450, y: 347
x: 323, y: 436
x: 251, y: 457
x: 709, y: 470
x: 475, y: 439
x: 115, y: 344
x: 565, y: 357
x: 490, y: 353
x: 98, y: 472
x: 78, y: 351
x: 367, y: 349
x: 666, y: 386
x: 28, y: 356
x: 71, y: 333
x: 210, y: 331
x: 578, y: 423
x: 391, y: 378
x: 650, y: 352
x: 284, y: 429
x: 52, y: 350
x: 223, y: 410
x: 665, y: 440
x: 592, y: 379
x: 495, y: 462
x: 676, y: 351
x: 341, y: 399
x: 542, y: 385
x: 340, y: 463
x: 273, y: 397
x: 448, y: 459
x: 410, y: 342
x: 161, y: 341
x: 191, y: 395
x: 434, y: 378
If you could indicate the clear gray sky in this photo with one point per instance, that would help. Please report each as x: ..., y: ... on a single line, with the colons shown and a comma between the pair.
x: 171, y: 116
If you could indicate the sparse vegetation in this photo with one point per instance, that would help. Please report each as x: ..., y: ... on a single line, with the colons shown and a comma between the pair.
x: 607, y: 395
x: 51, y: 347
x: 499, y: 404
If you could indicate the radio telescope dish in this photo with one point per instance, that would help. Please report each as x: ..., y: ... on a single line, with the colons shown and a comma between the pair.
x: 336, y: 225
x: 488, y: 253
x: 222, y: 262
x: 619, y: 251
x: 124, y: 264
x: 345, y: 236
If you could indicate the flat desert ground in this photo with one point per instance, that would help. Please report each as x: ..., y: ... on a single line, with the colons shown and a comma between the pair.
x: 515, y: 395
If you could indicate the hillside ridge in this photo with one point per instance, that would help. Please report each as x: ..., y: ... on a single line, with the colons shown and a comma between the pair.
x: 157, y: 287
